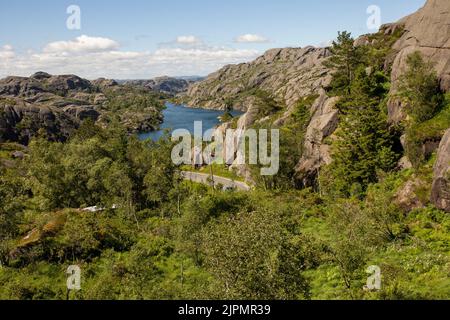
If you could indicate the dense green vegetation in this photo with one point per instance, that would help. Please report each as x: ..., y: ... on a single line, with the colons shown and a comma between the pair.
x: 365, y: 144
x: 177, y: 240
x: 420, y: 92
x: 292, y: 137
x: 154, y: 236
x: 138, y: 109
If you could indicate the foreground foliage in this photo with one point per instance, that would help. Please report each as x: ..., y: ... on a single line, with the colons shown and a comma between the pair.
x: 177, y: 240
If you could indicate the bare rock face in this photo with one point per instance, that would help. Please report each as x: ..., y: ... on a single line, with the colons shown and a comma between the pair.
x: 250, y: 117
x: 440, y: 193
x: 55, y: 104
x: 324, y: 122
x: 404, y: 163
x: 167, y: 85
x: 285, y: 74
x: 426, y: 31
x: 82, y: 112
x: 20, y: 86
x: 21, y: 120
x: 65, y: 83
x: 103, y: 83
x: 362, y: 41
x: 406, y: 198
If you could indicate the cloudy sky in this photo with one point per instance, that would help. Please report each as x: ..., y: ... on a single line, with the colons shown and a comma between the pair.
x: 139, y: 39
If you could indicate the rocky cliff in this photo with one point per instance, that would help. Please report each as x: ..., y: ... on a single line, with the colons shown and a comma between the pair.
x: 55, y: 104
x: 20, y: 120
x: 426, y: 31
x: 324, y: 121
x: 284, y: 75
x: 275, y: 83
x: 440, y: 194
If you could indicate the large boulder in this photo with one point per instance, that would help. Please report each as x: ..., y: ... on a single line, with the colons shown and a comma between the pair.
x: 407, y: 197
x: 316, y: 153
x: 440, y: 194
x: 40, y: 75
x: 426, y: 31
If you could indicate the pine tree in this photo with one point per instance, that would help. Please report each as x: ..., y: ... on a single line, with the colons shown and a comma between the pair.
x: 364, y: 143
x: 345, y: 59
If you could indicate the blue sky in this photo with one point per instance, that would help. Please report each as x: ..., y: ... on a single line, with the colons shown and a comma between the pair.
x: 138, y: 38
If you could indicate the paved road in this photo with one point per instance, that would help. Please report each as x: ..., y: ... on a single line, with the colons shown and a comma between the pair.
x: 205, y: 179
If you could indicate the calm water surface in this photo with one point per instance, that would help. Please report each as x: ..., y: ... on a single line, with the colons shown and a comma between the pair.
x: 181, y: 117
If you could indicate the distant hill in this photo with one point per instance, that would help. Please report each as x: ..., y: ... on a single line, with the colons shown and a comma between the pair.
x: 57, y: 104
x: 166, y: 85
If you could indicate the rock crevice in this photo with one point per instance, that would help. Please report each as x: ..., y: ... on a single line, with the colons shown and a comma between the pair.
x: 440, y: 193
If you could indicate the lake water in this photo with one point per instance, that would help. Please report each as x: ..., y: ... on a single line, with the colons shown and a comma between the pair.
x: 181, y: 117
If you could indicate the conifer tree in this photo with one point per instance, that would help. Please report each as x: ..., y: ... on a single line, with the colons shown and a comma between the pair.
x: 364, y: 143
x: 344, y: 61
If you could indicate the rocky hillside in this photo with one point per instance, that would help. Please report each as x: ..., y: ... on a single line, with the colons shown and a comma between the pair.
x: 284, y: 75
x: 441, y: 179
x: 166, y: 85
x: 426, y: 31
x: 271, y: 88
x: 292, y: 73
x: 57, y: 105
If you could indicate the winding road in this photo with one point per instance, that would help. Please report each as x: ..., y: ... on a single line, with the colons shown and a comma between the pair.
x: 205, y: 179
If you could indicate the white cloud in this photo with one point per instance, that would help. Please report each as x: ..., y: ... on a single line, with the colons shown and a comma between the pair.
x: 188, y: 40
x: 93, y: 59
x: 206, y: 54
x: 82, y: 44
x: 251, y: 38
x: 7, y: 52
x: 325, y: 44
x: 198, y: 61
x: 7, y: 59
